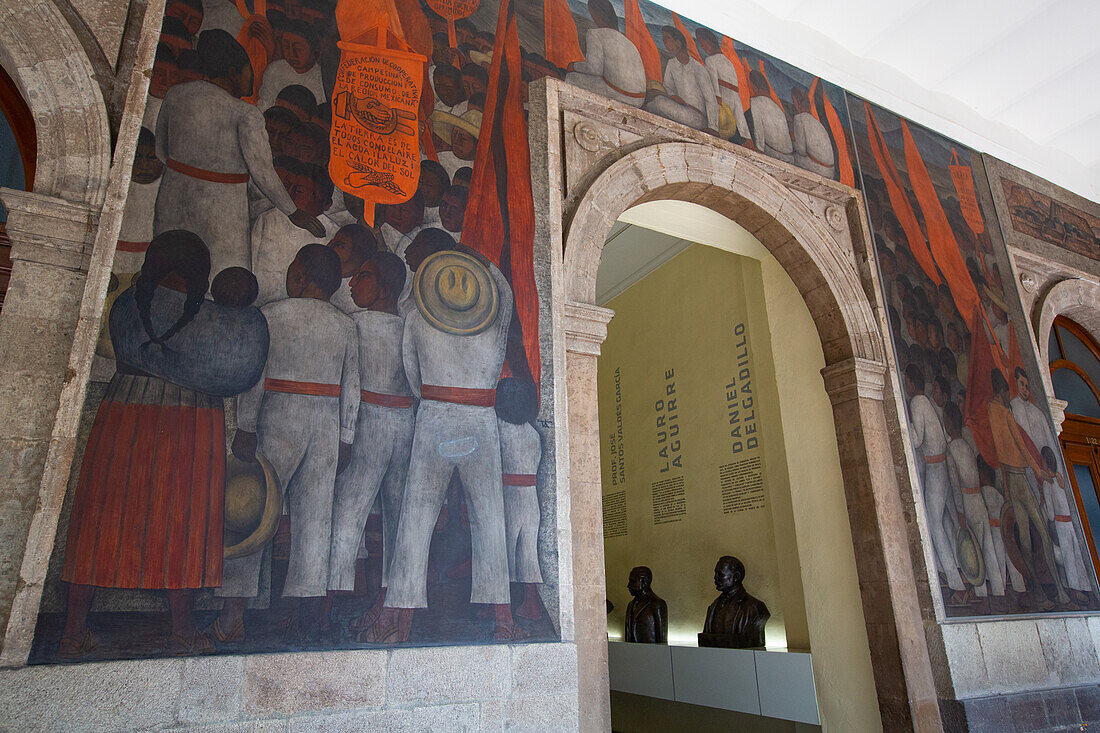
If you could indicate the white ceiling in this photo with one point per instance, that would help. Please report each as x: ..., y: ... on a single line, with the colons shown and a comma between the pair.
x: 1019, y: 79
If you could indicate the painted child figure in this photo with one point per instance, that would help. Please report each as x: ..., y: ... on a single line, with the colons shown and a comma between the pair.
x: 520, y: 455
x: 1056, y: 508
x: 384, y: 433
x: 302, y: 415
x: 962, y: 467
x: 137, y: 218
x: 1003, y: 572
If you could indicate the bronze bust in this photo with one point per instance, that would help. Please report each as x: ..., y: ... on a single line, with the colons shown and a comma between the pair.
x: 646, y: 614
x: 735, y: 620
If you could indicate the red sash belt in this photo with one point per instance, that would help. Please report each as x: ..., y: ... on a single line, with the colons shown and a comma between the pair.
x: 1061, y: 518
x: 819, y: 162
x: 386, y: 400
x: 459, y: 395
x: 519, y: 479
x: 205, y: 175
x: 314, y: 389
x: 625, y: 93
x: 124, y: 246
x: 936, y: 459
x: 975, y: 490
x: 727, y: 85
x: 994, y: 523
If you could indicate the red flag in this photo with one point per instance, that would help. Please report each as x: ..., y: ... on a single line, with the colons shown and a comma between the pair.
x: 899, y: 201
x: 984, y: 357
x: 963, y: 178
x: 743, y: 90
x: 638, y: 33
x: 840, y: 138
x: 771, y: 92
x: 941, y: 239
x: 500, y: 215
x: 563, y: 47
x: 692, y: 49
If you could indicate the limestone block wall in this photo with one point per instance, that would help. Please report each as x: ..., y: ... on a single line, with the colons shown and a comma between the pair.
x: 525, y: 687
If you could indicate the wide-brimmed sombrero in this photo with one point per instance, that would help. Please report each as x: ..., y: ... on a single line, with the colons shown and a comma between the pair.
x: 253, y: 505
x: 456, y: 293
x: 968, y: 553
x: 444, y: 122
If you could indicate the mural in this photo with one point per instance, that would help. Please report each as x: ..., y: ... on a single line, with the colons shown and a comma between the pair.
x: 1003, y: 525
x: 1035, y: 213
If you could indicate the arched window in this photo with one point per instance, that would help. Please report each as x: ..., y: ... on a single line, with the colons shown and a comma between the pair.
x: 18, y: 150
x: 1075, y: 373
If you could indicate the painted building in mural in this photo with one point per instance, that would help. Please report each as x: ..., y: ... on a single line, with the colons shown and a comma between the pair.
x: 325, y: 401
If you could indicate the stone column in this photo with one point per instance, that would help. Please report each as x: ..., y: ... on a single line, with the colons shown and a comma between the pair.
x: 899, y: 653
x: 585, y: 330
x: 51, y: 250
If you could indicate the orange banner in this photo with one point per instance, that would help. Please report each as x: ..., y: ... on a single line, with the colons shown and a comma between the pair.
x: 941, y: 240
x: 452, y: 10
x: 692, y: 49
x: 899, y: 200
x: 743, y: 89
x: 840, y: 139
x: 638, y: 33
x: 374, y: 138
x: 963, y: 179
x: 563, y: 47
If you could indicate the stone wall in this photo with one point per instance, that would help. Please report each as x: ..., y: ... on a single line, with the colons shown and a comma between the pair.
x: 517, y: 688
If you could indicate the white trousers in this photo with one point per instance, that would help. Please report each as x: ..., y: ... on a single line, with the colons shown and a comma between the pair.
x: 379, y: 461
x: 935, y: 500
x: 521, y: 521
x: 300, y: 435
x: 447, y: 437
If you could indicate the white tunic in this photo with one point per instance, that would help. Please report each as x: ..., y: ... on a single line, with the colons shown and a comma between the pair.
x: 137, y: 224
x: 724, y: 75
x: 927, y: 431
x: 612, y: 66
x: 223, y: 15
x: 813, y: 147
x: 692, y: 83
x: 275, y: 243
x: 203, y: 126
x: 280, y: 75
x: 770, y: 130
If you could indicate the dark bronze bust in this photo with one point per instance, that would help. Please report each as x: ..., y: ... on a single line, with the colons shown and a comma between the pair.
x: 646, y: 614
x: 735, y: 620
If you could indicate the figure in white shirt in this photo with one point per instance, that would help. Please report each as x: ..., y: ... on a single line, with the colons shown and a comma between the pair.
x: 276, y: 240
x: 813, y: 147
x: 962, y: 467
x: 453, y: 349
x: 213, y: 144
x: 724, y: 75
x: 612, y: 66
x: 452, y: 209
x: 930, y: 443
x: 517, y: 407
x: 302, y: 415
x: 137, y: 217
x: 353, y: 244
x: 400, y: 222
x: 166, y: 74
x: 222, y: 15
x: 434, y: 182
x: 771, y: 133
x: 994, y: 504
x: 298, y: 65
x: 463, y: 133
x: 1070, y: 557
x: 383, y: 438
x: 690, y: 96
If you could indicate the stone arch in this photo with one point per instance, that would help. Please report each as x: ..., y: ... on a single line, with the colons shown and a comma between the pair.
x: 818, y: 233
x: 730, y: 185
x: 47, y: 62
x: 1075, y: 298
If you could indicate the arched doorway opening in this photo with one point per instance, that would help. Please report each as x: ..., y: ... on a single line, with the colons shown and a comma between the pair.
x: 18, y: 149
x: 817, y: 234
x: 1075, y: 373
x: 711, y: 328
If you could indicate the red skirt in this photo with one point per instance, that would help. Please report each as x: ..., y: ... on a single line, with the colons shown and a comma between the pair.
x: 149, y: 502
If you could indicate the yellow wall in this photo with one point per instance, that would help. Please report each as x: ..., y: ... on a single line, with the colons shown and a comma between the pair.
x: 815, y: 585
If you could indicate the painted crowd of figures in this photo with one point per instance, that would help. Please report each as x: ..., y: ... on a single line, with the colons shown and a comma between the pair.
x: 999, y: 507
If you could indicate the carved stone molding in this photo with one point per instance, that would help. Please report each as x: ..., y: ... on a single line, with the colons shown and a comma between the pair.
x: 586, y: 327
x: 1057, y: 413
x: 49, y: 231
x: 853, y: 379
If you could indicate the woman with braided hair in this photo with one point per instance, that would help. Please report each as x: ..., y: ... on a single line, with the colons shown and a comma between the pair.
x: 148, y: 506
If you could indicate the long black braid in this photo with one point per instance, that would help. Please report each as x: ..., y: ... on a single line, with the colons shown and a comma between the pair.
x: 176, y: 252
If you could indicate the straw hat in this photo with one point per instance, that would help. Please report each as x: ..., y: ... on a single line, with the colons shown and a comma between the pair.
x: 444, y: 122
x: 253, y: 505
x: 456, y: 293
